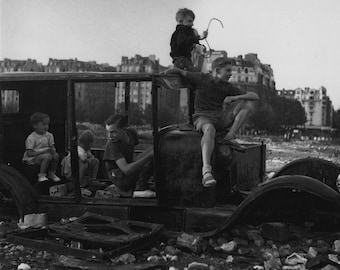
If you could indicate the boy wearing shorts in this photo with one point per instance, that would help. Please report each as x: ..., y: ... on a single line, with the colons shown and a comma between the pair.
x: 218, y: 105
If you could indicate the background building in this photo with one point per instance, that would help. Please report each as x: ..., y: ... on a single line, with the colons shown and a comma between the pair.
x: 317, y: 104
x: 318, y: 108
x: 8, y: 65
x: 248, y: 73
x: 140, y: 92
x: 84, y: 92
x: 74, y: 65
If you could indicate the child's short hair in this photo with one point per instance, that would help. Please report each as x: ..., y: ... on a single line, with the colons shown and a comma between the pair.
x: 184, y: 12
x: 87, y: 137
x: 220, y: 62
x: 38, y: 117
x: 117, y: 119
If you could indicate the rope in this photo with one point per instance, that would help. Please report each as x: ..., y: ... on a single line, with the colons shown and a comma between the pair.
x: 207, y: 55
x: 215, y: 20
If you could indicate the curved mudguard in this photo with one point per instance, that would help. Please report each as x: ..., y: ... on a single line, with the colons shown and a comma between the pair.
x: 22, y: 192
x: 323, y: 170
x: 283, y: 183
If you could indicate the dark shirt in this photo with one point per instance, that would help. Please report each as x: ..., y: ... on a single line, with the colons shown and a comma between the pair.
x: 117, y: 150
x: 209, y: 95
x: 182, y: 41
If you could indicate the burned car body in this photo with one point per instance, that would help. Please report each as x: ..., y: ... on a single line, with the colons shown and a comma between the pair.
x: 181, y: 203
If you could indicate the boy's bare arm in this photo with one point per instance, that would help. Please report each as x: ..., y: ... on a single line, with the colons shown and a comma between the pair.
x: 128, y: 168
x: 251, y: 96
x: 52, y: 149
x: 176, y: 71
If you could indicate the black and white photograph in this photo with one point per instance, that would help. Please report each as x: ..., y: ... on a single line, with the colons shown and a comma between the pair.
x: 170, y: 135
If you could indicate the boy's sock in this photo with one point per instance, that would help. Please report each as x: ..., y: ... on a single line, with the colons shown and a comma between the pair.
x: 206, y: 169
x: 51, y: 175
x: 207, y: 177
x: 42, y: 177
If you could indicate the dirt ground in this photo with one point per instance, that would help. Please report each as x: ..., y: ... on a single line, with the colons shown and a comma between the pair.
x: 280, y: 152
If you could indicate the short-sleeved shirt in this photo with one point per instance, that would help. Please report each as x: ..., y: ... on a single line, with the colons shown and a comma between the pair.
x: 209, y: 96
x: 37, y: 142
x: 117, y: 150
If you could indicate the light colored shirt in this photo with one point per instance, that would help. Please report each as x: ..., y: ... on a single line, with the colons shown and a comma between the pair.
x: 84, y: 156
x: 38, y: 143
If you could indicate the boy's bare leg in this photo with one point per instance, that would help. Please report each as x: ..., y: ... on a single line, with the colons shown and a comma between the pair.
x: 242, y: 112
x: 54, y: 162
x: 44, y: 161
x: 145, y: 153
x: 83, y: 167
x: 207, y: 145
x: 93, y: 168
x: 53, y: 167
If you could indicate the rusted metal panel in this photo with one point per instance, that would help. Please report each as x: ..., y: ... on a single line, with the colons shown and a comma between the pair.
x: 172, y: 81
x: 179, y: 166
x: 172, y: 217
x: 179, y: 170
x: 323, y: 170
x: 21, y: 190
x: 270, y: 199
x: 248, y: 168
x: 56, y: 211
x: 76, y: 76
x: 203, y: 219
x: 2, y: 135
x: 92, y: 236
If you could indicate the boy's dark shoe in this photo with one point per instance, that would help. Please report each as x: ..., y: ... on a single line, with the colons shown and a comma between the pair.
x: 233, y: 144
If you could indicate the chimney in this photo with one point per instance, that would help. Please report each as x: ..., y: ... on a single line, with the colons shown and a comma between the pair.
x: 152, y: 57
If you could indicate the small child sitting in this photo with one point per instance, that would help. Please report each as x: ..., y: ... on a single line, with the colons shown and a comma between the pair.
x: 184, y: 39
x: 40, y: 149
x: 88, y: 163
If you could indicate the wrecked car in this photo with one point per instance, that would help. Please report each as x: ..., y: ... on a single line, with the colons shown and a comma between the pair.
x: 181, y: 203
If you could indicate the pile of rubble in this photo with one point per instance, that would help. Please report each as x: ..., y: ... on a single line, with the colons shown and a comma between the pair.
x: 280, y: 152
x: 265, y: 246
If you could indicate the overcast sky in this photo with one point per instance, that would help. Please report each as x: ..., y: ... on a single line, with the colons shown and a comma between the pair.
x: 300, y: 39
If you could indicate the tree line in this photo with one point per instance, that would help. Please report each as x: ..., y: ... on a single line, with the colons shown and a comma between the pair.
x: 271, y: 116
x: 278, y: 112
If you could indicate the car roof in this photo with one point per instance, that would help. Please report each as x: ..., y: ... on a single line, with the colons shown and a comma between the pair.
x: 76, y: 76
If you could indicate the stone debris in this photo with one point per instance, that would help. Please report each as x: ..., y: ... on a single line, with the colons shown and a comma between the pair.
x: 68, y: 220
x: 190, y: 242
x: 336, y: 246
x: 24, y: 266
x: 33, y: 221
x: 197, y: 266
x: 236, y: 249
x: 280, y: 153
x: 126, y: 258
x: 295, y: 258
x: 227, y: 247
x: 275, y: 231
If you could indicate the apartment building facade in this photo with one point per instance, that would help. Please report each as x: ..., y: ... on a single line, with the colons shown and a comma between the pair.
x: 140, y: 92
x: 316, y: 102
x: 83, y: 92
x: 29, y: 65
